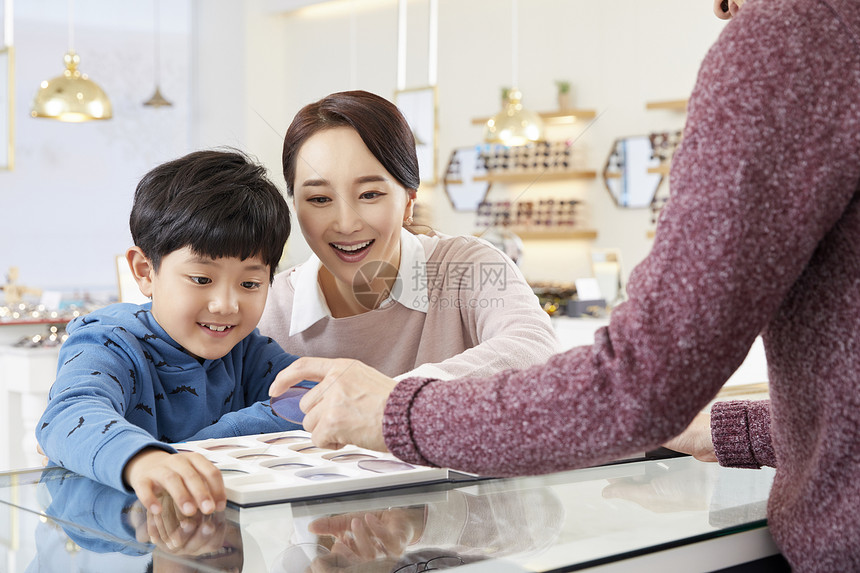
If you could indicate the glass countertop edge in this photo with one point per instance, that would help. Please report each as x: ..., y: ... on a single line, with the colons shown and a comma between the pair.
x: 657, y: 548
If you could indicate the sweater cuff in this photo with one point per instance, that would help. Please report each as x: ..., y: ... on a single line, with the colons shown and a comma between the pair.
x: 730, y: 432
x: 397, y: 424
x: 426, y: 371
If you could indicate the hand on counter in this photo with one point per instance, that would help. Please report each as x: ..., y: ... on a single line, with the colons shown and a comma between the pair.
x: 696, y: 439
x: 191, y: 480
x: 347, y: 405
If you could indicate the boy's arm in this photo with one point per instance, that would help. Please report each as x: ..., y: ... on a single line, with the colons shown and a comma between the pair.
x: 258, y: 418
x: 83, y: 427
x: 262, y: 359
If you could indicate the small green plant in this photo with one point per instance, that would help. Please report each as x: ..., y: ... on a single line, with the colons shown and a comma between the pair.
x: 563, y: 86
x: 506, y: 91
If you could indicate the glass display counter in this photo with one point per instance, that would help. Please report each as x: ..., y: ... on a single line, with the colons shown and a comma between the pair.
x: 674, y: 514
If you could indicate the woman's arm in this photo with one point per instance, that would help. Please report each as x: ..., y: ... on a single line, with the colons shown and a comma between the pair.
x: 497, y: 310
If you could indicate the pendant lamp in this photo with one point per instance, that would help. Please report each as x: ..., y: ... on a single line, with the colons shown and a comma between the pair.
x: 514, y: 125
x: 72, y: 96
x: 157, y: 100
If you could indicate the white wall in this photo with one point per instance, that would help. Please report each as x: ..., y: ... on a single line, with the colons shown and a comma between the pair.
x: 237, y: 72
x: 65, y: 205
x: 619, y: 54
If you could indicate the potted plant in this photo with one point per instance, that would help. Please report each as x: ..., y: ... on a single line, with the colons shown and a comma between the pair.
x: 565, y: 97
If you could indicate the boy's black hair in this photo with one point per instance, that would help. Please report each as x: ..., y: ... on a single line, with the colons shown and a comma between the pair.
x: 219, y: 203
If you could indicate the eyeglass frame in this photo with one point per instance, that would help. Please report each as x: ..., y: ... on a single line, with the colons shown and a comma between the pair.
x: 426, y: 564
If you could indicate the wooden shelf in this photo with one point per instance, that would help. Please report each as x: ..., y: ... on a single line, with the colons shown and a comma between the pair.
x: 753, y: 388
x: 557, y: 235
x: 538, y: 176
x: 672, y: 105
x: 553, y: 117
x: 36, y: 321
x: 572, y: 234
x: 660, y: 169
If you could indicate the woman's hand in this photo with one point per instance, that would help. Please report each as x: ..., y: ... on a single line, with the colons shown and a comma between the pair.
x: 347, y: 405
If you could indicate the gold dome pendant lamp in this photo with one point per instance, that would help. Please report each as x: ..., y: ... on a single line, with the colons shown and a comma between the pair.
x: 157, y: 100
x: 72, y: 96
x: 514, y: 125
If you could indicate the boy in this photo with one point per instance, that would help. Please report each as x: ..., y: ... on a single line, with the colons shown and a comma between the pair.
x: 208, y: 230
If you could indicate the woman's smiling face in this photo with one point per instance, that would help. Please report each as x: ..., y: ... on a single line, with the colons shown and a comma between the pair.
x: 350, y: 209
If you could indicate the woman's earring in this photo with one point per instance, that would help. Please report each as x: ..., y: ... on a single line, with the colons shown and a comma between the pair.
x: 407, y: 222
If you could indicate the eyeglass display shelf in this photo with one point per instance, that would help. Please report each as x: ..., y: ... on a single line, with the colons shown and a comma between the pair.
x: 662, y: 169
x: 531, y: 176
x: 671, y: 105
x: 556, y: 235
x: 33, y: 321
x: 572, y: 234
x: 553, y: 117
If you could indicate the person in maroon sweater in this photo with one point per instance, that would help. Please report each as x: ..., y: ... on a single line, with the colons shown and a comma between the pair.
x: 761, y: 235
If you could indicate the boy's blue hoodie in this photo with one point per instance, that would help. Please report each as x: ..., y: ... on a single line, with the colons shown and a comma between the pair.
x: 123, y: 385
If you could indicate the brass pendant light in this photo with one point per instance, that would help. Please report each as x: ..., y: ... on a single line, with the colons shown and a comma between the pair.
x: 72, y: 96
x: 514, y: 125
x: 157, y: 100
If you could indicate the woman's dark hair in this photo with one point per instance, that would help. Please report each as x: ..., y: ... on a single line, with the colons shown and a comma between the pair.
x: 380, y: 124
x: 218, y: 203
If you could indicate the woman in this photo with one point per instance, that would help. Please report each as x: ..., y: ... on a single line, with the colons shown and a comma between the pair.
x: 760, y: 235
x: 408, y: 305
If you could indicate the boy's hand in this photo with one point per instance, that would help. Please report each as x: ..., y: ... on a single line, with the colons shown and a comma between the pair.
x: 187, y: 477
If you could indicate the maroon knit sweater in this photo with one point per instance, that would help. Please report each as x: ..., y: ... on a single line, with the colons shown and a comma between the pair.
x: 761, y: 235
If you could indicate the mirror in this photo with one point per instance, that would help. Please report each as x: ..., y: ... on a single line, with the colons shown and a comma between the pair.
x: 418, y: 106
x: 633, y: 172
x: 466, y: 182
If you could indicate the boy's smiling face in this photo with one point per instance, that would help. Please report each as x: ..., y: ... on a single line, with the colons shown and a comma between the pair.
x: 206, y: 305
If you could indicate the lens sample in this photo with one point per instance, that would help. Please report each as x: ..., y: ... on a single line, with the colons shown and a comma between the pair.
x: 288, y: 466
x: 256, y: 456
x: 232, y: 471
x: 287, y: 404
x: 286, y: 440
x: 311, y: 450
x: 384, y: 466
x: 225, y: 447
x: 350, y: 457
x: 322, y: 476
